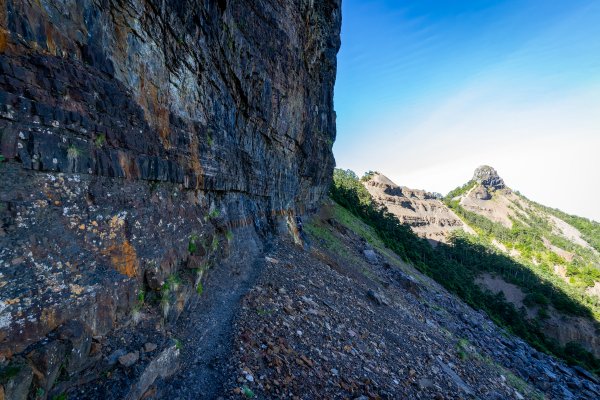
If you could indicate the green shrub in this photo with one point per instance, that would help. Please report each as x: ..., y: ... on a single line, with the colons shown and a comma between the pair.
x: 459, y: 191
x: 73, y: 152
x: 100, y: 140
x: 193, y: 244
x: 178, y: 344
x: 536, y: 299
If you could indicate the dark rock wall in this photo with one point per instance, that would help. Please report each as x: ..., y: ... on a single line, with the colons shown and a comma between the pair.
x: 131, y: 129
x: 213, y: 95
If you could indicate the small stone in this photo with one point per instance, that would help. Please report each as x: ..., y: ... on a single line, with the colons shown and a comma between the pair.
x: 17, y: 261
x: 370, y: 256
x: 114, y: 356
x: 585, y: 374
x: 425, y: 383
x: 551, y: 376
x: 519, y: 396
x: 378, y: 298
x: 249, y: 378
x: 129, y: 359
x: 334, y: 372
x: 95, y: 348
x: 149, y: 347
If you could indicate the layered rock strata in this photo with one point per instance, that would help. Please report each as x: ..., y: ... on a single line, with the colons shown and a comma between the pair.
x: 424, y: 212
x: 140, y: 140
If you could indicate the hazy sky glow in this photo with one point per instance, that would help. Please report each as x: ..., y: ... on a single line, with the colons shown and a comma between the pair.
x: 428, y: 90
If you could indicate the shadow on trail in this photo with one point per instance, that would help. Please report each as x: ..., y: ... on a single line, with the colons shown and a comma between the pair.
x: 207, y: 329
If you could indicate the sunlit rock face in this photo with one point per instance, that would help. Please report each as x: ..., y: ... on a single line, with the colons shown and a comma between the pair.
x: 130, y: 129
x: 423, y: 211
x: 488, y: 177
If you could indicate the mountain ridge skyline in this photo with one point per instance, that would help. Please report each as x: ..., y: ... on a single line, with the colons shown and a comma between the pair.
x: 531, y: 195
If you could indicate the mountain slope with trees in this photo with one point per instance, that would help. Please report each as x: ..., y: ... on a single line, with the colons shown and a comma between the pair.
x: 548, y: 300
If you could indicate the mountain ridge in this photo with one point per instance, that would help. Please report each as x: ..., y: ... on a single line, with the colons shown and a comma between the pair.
x: 423, y: 211
x: 540, y: 306
x: 544, y: 243
x: 502, y: 220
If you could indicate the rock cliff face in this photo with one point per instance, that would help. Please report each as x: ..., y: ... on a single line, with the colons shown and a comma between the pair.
x: 422, y: 211
x: 143, y: 141
x: 488, y: 177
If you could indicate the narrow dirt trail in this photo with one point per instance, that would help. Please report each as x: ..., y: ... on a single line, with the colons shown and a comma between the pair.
x: 206, y: 330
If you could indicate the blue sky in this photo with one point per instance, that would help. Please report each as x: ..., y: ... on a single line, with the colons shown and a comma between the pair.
x: 428, y: 90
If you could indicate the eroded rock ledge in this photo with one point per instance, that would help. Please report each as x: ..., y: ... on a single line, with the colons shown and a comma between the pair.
x: 144, y: 141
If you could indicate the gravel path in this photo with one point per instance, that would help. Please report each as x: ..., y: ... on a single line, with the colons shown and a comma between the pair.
x: 338, y: 319
x: 206, y: 331
x: 326, y: 323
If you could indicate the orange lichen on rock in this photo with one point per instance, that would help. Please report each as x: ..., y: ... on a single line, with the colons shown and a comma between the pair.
x: 195, y: 164
x: 156, y: 113
x: 124, y: 258
x: 121, y: 252
x: 49, y: 318
x: 50, y: 43
x: 128, y: 166
x: 3, y: 39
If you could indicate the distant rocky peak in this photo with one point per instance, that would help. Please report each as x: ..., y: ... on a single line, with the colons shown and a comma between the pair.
x: 488, y: 177
x: 385, y: 184
x: 378, y: 180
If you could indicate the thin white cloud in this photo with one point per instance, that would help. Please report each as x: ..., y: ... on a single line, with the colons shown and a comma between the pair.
x: 527, y: 114
x: 549, y: 151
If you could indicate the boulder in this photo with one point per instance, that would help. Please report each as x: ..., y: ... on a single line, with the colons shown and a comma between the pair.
x: 129, y: 359
x: 378, y: 298
x: 47, y: 360
x: 371, y: 256
x: 162, y: 366
x: 17, y: 378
